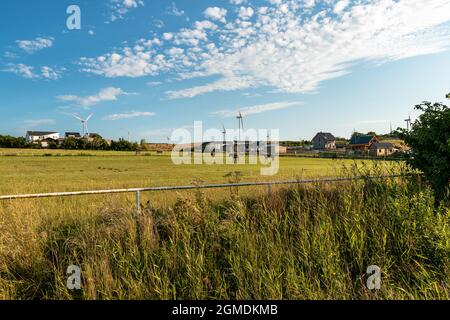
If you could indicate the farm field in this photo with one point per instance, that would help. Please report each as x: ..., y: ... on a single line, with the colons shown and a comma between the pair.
x: 35, y: 171
x: 296, y: 242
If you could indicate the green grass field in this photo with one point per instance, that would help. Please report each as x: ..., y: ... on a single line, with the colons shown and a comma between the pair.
x: 35, y: 171
x: 298, y: 242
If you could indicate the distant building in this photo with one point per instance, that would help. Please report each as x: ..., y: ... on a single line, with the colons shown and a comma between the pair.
x: 75, y: 135
x: 362, y: 143
x: 324, y: 140
x: 247, y: 147
x: 48, y: 142
x: 38, y: 136
x: 382, y: 149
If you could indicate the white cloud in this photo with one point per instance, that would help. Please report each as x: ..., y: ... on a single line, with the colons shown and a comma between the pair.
x: 245, y: 13
x: 309, y: 3
x: 154, y: 83
x: 133, y: 62
x: 229, y: 113
x: 32, y: 46
x: 206, y: 24
x: 129, y: 115
x: 174, y: 11
x: 119, y: 8
x: 159, y: 23
x: 237, y: 2
x: 28, y: 72
x: 216, y: 13
x: 340, y: 6
x: 225, y: 84
x: 22, y: 70
x: 10, y: 55
x: 286, y: 45
x: 39, y: 122
x: 105, y: 94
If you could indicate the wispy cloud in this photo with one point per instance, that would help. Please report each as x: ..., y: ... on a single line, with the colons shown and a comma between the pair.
x: 39, y: 122
x: 32, y: 46
x: 10, y: 55
x: 174, y: 11
x: 129, y: 115
x: 105, y: 94
x: 29, y: 72
x: 231, y: 84
x: 229, y: 113
x: 154, y: 83
x: 119, y: 8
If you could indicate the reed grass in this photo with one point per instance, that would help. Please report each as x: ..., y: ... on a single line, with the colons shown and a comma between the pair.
x: 302, y: 242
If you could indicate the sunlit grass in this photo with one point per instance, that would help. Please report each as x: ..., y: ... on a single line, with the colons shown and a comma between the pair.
x: 300, y: 242
x: 306, y: 242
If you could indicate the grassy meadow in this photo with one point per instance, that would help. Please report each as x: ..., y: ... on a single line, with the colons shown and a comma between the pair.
x: 38, y: 171
x: 298, y: 242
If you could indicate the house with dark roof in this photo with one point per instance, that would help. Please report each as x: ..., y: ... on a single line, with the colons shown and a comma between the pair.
x: 75, y: 135
x: 38, y: 136
x: 324, y: 140
x: 382, y: 149
x: 362, y: 143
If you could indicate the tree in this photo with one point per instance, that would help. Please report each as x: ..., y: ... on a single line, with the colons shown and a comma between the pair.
x: 12, y: 142
x: 429, y: 140
x: 123, y: 145
x: 356, y: 134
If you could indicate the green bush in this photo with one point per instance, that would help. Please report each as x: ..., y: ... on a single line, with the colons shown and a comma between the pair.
x: 429, y: 139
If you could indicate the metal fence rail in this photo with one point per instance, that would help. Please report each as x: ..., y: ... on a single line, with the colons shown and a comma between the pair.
x: 138, y: 191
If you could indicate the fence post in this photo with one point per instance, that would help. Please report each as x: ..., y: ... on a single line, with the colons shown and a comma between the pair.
x: 138, y: 201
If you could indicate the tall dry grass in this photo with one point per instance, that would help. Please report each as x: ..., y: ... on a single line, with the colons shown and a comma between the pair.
x: 305, y: 242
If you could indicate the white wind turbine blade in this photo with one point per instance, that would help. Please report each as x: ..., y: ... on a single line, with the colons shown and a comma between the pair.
x: 77, y: 117
x: 88, y: 118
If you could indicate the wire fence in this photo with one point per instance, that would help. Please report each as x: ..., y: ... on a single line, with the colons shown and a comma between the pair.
x: 138, y: 191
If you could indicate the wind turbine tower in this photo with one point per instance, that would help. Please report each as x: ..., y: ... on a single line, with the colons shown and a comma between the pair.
x: 240, y: 119
x: 224, y: 132
x: 408, y: 122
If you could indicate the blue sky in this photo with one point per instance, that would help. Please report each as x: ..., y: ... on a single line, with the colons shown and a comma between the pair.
x: 148, y: 67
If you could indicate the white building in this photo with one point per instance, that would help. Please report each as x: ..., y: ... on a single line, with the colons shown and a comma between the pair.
x: 40, y: 136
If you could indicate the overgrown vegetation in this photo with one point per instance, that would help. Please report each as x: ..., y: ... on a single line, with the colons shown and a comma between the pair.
x: 306, y: 242
x: 429, y: 139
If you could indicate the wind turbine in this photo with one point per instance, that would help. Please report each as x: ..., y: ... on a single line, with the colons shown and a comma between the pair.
x: 224, y: 132
x: 408, y: 122
x: 240, y: 119
x: 84, y: 123
x: 269, y: 146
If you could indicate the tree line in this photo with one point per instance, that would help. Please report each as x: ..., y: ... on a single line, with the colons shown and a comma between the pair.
x: 95, y: 143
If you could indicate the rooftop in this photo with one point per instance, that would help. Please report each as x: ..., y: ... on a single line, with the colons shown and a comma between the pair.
x: 40, y: 133
x: 361, y: 139
x: 382, y: 145
x: 327, y: 136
